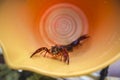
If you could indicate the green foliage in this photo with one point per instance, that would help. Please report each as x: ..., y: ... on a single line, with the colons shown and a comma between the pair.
x: 9, y: 74
x: 34, y: 77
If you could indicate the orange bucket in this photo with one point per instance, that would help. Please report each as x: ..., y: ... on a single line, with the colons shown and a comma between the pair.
x: 28, y: 25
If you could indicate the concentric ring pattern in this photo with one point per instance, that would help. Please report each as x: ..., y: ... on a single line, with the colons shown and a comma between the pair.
x: 62, y: 24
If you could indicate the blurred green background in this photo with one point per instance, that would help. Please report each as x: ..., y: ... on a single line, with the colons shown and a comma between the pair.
x: 9, y: 74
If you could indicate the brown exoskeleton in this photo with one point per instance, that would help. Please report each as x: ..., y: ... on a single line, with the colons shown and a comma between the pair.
x: 54, y: 51
x: 61, y: 50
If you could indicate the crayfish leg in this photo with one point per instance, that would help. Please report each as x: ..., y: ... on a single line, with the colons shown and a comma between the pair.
x: 39, y: 50
x: 45, y: 53
x: 65, y: 55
